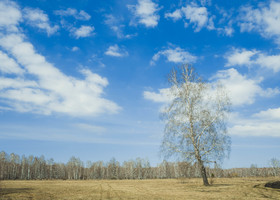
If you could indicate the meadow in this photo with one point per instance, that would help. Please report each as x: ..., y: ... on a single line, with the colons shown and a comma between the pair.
x: 222, y: 188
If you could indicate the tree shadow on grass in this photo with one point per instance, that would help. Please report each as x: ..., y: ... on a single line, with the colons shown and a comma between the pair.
x: 5, y: 191
x: 275, y: 184
x: 221, y: 185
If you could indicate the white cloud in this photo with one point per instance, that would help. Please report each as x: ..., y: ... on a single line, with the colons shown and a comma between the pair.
x: 225, y: 21
x: 256, y: 128
x: 198, y: 16
x: 241, y: 89
x: 82, y: 15
x: 270, y: 114
x: 75, y: 48
x: 176, y: 15
x: 16, y: 83
x: 96, y: 59
x: 240, y: 57
x: 51, y: 91
x: 116, y: 51
x: 117, y: 27
x: 37, y: 18
x: 67, y: 12
x: 243, y: 57
x: 145, y: 13
x: 269, y: 61
x: 83, y: 31
x: 176, y: 55
x: 164, y: 96
x: 265, y: 123
x: 10, y: 16
x: 9, y: 65
x: 264, y: 19
x: 228, y: 30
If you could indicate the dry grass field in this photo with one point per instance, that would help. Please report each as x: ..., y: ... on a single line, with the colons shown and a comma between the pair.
x: 223, y: 188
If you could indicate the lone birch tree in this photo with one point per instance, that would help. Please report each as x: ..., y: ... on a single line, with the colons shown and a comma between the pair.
x: 195, y: 120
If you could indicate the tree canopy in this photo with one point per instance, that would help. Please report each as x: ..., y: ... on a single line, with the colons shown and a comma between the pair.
x: 195, y: 119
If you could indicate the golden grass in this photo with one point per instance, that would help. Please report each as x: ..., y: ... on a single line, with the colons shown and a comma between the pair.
x: 223, y: 188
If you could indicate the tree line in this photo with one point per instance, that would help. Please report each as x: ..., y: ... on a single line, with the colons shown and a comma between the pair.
x: 15, y: 167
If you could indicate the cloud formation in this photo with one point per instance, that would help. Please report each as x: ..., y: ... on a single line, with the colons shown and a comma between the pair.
x: 115, y: 51
x: 83, y: 31
x: 264, y: 20
x: 145, y: 12
x: 75, y: 48
x: 264, y: 123
x: 163, y: 96
x: 241, y: 89
x: 82, y: 15
x: 10, y: 16
x: 175, y: 55
x: 53, y: 91
x: 196, y: 15
x: 37, y: 86
x: 117, y: 27
x: 176, y: 15
x: 9, y: 65
x: 270, y: 114
x: 200, y: 17
x: 248, y: 58
x: 37, y: 18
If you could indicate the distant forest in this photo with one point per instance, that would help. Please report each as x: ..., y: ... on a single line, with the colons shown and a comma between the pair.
x: 14, y: 167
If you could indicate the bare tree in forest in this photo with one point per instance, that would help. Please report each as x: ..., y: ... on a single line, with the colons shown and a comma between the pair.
x: 195, y: 127
x: 275, y: 164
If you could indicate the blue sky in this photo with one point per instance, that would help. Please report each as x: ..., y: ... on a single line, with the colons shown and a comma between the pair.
x: 88, y: 78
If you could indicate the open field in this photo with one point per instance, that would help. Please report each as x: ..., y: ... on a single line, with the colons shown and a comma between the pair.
x: 223, y: 188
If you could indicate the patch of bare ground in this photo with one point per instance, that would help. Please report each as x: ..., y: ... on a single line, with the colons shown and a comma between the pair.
x: 223, y: 188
